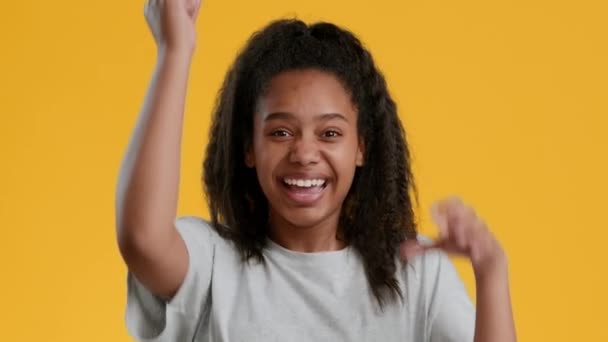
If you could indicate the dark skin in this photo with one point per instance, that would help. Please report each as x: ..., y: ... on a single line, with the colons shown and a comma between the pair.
x: 305, y: 128
x: 302, y: 140
x: 305, y: 145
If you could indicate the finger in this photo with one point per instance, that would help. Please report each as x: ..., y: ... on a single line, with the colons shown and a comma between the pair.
x: 457, y: 221
x: 440, y: 220
x: 455, y: 209
x: 443, y: 213
x: 458, y: 231
x: 197, y: 7
x: 476, y: 236
x: 452, y: 201
x: 469, y: 212
x: 482, y: 248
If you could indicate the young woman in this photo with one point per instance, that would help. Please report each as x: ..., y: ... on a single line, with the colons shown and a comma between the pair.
x: 312, y: 234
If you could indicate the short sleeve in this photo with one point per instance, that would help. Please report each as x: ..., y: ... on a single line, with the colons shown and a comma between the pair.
x: 150, y: 318
x: 451, y: 312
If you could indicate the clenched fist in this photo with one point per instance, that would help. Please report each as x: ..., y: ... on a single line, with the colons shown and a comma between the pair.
x: 172, y: 23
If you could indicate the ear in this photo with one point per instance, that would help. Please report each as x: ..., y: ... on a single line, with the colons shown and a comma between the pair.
x: 250, y: 158
x: 360, y: 153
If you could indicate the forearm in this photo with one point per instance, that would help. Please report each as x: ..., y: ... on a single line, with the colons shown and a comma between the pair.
x: 494, y: 316
x: 147, y: 189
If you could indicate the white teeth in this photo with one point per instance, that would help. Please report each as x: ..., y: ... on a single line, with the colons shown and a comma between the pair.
x: 304, y: 183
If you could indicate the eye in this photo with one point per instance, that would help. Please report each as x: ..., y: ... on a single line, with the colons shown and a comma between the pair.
x: 279, y: 133
x: 331, y: 134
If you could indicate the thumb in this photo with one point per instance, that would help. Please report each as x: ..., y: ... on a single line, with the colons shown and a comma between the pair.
x: 437, y: 244
x: 410, y: 248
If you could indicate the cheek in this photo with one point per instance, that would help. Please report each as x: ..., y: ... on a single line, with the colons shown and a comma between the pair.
x: 266, y: 161
x: 344, y: 165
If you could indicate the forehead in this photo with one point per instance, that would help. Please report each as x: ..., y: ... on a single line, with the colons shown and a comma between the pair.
x: 306, y: 91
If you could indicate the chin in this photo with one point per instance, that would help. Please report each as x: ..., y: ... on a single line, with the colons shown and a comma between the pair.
x: 303, y: 218
x: 306, y: 218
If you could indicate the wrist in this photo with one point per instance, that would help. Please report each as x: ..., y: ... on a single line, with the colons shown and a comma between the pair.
x: 172, y: 53
x: 494, y: 271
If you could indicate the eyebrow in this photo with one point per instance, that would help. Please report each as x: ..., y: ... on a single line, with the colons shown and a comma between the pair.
x: 291, y: 116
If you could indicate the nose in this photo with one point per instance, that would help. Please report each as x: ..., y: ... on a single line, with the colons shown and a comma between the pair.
x: 304, y: 151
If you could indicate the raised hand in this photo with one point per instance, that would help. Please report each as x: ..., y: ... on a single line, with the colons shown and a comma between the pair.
x: 462, y: 232
x: 172, y: 23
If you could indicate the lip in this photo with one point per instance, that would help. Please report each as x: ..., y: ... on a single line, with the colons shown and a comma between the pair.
x: 303, y: 175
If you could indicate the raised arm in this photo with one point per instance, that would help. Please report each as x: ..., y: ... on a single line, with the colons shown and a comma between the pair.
x: 462, y: 232
x: 147, y: 187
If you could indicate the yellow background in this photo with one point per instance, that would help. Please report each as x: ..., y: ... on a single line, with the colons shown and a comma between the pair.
x: 504, y: 103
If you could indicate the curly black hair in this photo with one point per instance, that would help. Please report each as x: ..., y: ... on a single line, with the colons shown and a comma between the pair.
x: 377, y: 213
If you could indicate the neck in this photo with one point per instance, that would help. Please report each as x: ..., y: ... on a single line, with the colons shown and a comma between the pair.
x: 321, y: 237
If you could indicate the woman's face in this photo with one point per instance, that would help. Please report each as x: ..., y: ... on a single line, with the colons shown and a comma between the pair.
x: 305, y: 147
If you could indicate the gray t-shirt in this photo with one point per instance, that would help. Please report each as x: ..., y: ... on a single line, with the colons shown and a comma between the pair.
x: 297, y: 296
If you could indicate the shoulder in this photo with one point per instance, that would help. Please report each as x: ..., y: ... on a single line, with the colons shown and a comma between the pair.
x: 450, y: 311
x: 430, y: 267
x: 198, y: 233
x: 195, y: 227
x: 192, y: 221
x: 431, y: 259
x: 435, y: 277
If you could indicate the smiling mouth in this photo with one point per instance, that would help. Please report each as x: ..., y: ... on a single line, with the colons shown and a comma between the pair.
x: 304, y: 191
